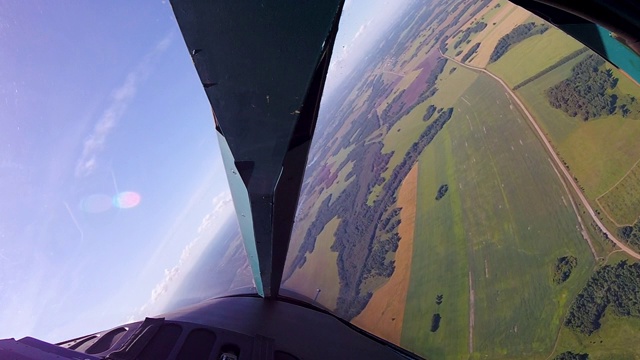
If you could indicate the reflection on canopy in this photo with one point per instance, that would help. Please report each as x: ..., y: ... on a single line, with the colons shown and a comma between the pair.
x: 126, y: 200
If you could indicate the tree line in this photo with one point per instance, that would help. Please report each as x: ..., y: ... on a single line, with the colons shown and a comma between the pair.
x: 468, y: 6
x: 466, y: 33
x: 631, y: 234
x: 366, y: 234
x: 569, y: 355
x: 518, y: 34
x: 441, y: 37
x: 354, y: 265
x: 585, y: 92
x: 549, y: 69
x: 472, y: 50
x: 392, y: 114
x: 431, y: 109
x: 612, y: 287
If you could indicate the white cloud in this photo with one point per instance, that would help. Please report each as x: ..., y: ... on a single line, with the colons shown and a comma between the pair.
x: 220, y: 202
x: 347, y: 53
x: 360, y: 31
x: 222, y: 207
x: 120, y: 100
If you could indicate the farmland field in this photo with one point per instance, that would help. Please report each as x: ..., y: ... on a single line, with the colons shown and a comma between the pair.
x: 617, y: 340
x: 407, y: 130
x: 384, y: 315
x: 612, y: 149
x: 500, y: 238
x: 533, y: 54
x: 320, y: 264
x: 506, y: 19
x: 620, y: 203
x: 503, y: 222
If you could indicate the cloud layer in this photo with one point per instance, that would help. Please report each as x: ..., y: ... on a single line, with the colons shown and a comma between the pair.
x: 222, y: 206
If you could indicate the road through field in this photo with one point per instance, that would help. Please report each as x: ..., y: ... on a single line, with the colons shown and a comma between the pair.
x: 472, y: 307
x: 556, y: 159
x: 583, y: 229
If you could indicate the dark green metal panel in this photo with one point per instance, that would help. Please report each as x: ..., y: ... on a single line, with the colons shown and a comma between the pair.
x: 604, y: 43
x: 263, y: 64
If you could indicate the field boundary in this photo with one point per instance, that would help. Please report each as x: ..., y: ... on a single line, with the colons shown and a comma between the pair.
x: 583, y: 229
x: 554, y: 155
x: 550, y: 68
x: 613, y: 187
x: 384, y: 314
x: 472, y: 302
x: 604, y: 210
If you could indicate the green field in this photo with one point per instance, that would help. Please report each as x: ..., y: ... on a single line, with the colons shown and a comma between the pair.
x: 433, y: 249
x: 616, y: 256
x: 488, y: 16
x: 620, y: 203
x: 504, y: 222
x: 617, y: 339
x: 532, y: 55
x: 599, y: 152
x: 406, y: 131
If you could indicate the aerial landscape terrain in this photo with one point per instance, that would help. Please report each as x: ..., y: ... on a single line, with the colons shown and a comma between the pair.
x: 473, y: 191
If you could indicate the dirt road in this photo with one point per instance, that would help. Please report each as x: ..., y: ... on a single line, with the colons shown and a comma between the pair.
x: 472, y: 308
x: 556, y: 159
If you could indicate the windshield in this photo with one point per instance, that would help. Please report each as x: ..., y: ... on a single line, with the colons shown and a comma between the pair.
x: 472, y: 188
x: 113, y: 203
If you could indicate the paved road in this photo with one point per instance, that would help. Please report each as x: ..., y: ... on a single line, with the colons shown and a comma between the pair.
x: 556, y: 159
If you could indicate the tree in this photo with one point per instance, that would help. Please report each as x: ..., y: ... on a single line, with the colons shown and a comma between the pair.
x: 435, y: 322
x: 585, y: 93
x: 518, y: 34
x: 442, y: 190
x: 568, y: 355
x: 472, y: 50
x: 564, y: 266
x: 612, y: 287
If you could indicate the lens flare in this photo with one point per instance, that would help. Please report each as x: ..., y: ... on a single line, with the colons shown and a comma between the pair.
x: 126, y: 200
x: 96, y: 203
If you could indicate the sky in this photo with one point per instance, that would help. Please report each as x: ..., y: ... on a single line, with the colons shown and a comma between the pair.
x: 110, y: 174
x: 110, y: 171
x: 362, y: 24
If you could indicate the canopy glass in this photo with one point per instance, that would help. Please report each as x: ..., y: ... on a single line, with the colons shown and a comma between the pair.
x: 472, y: 188
x: 113, y: 203
x: 471, y: 191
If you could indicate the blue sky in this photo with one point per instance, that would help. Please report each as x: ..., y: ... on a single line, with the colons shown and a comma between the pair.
x: 363, y: 22
x: 99, y: 99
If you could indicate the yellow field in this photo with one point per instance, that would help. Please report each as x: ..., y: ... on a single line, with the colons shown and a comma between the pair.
x: 384, y: 314
x: 320, y: 271
x: 506, y: 19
